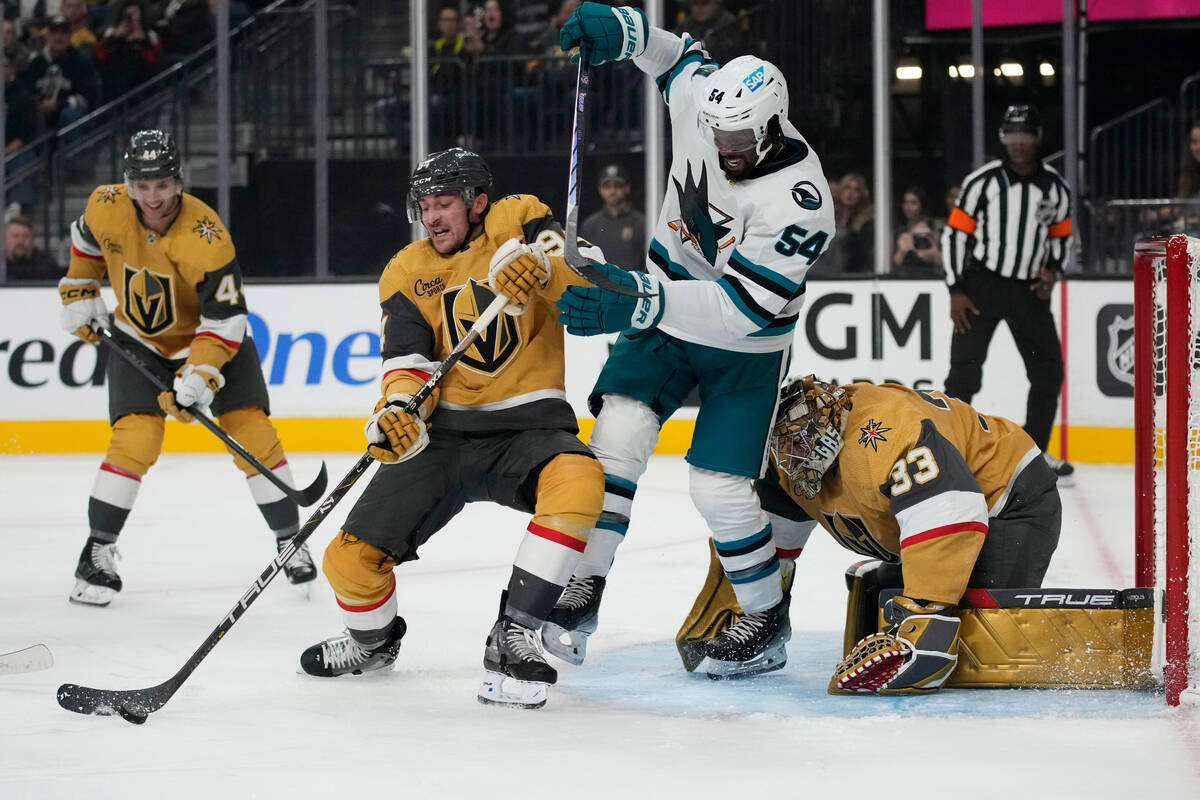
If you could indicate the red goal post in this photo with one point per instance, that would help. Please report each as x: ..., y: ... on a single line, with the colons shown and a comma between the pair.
x: 1167, y: 444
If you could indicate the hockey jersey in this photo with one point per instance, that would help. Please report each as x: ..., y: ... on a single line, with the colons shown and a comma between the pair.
x: 512, y: 377
x: 735, y: 253
x: 179, y: 294
x: 916, y: 482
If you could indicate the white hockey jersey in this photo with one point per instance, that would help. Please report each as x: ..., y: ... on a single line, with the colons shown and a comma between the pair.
x: 733, y: 255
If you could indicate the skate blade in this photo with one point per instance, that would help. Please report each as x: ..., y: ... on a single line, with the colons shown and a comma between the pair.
x: 85, y: 594
x: 569, y: 646
x: 770, y: 660
x: 502, y: 690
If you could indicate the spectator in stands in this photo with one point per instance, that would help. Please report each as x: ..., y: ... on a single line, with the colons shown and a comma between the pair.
x: 488, y: 33
x: 529, y: 18
x: 719, y: 29
x: 447, y: 54
x: 1189, y: 164
x: 855, y: 217
x: 20, y: 128
x: 917, y: 253
x: 14, y: 46
x: 185, y: 27
x: 618, y: 228
x: 912, y: 207
x: 128, y: 53
x: 75, y: 12
x: 64, y: 82
x: 25, y: 260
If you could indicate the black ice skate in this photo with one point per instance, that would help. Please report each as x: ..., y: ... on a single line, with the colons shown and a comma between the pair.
x: 299, y: 568
x: 343, y: 655
x: 96, y: 578
x: 574, y: 619
x: 756, y: 643
x: 1064, y: 471
x: 517, y: 674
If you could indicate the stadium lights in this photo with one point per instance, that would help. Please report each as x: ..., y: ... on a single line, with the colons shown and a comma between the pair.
x: 962, y: 71
x: 1046, y: 69
x: 908, y: 68
x: 1011, y: 69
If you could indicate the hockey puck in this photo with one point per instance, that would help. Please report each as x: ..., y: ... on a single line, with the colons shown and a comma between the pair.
x: 131, y: 716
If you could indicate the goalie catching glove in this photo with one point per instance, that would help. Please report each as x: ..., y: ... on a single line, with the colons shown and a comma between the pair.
x: 916, y: 655
x: 610, y: 34
x: 587, y: 311
x: 195, y: 385
x: 518, y: 271
x: 82, y: 308
x: 394, y: 434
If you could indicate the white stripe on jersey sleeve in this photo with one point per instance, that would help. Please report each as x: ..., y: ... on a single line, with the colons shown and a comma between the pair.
x: 944, y: 510
x: 84, y: 243
x: 231, y: 329
x: 410, y: 361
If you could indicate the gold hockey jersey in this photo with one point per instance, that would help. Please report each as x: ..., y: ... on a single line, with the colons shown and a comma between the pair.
x: 180, y: 293
x: 512, y: 377
x: 917, y: 480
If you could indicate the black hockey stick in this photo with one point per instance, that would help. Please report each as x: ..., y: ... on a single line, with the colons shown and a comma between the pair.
x: 578, y: 263
x: 304, y: 497
x: 134, y: 705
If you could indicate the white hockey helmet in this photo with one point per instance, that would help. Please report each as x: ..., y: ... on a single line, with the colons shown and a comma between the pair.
x: 745, y: 94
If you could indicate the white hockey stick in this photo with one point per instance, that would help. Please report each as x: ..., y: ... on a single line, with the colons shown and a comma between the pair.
x: 31, y: 659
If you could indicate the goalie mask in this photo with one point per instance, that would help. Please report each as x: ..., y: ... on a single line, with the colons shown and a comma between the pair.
x: 807, y: 436
x: 454, y: 170
x: 739, y: 102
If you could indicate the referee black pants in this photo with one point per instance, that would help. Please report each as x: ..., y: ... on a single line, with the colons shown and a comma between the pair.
x: 1032, y: 327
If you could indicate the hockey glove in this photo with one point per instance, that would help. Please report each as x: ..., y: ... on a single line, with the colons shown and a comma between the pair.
x: 915, y: 656
x: 610, y: 34
x: 393, y: 434
x: 195, y: 385
x: 587, y: 311
x: 518, y: 271
x: 82, y: 306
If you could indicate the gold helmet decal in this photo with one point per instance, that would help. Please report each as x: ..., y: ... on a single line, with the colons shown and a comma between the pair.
x: 149, y: 302
x: 500, y: 341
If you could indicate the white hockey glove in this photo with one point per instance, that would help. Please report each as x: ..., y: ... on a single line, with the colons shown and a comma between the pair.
x: 393, y: 434
x: 82, y: 306
x: 915, y: 656
x: 518, y: 271
x: 195, y: 385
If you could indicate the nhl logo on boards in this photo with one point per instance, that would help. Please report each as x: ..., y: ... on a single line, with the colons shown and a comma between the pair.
x: 1114, y: 349
x: 1120, y: 349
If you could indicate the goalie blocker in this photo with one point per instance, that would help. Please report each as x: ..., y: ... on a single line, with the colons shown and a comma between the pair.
x: 1038, y: 638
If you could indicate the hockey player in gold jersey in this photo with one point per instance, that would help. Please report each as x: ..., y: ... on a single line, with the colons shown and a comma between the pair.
x: 497, y: 428
x: 180, y: 310
x: 954, y: 497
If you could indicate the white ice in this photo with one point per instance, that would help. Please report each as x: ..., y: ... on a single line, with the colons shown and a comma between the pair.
x: 629, y: 722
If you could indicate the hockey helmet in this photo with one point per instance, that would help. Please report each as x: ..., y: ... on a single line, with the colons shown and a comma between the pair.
x: 1021, y: 119
x: 807, y: 435
x: 152, y: 154
x: 744, y: 96
x: 454, y: 170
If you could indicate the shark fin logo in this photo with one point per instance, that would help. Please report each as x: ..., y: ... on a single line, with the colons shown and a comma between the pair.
x: 499, y: 342
x: 148, y: 300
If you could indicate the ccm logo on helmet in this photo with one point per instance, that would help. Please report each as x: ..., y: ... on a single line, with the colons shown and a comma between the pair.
x: 754, y: 80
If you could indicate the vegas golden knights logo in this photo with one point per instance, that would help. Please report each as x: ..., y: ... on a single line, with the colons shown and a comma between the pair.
x: 500, y: 340
x: 852, y: 534
x: 149, y: 301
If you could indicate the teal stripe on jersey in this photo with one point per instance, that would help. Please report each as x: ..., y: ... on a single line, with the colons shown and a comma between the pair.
x: 674, y: 270
x: 759, y: 318
x: 771, y: 330
x: 690, y: 56
x: 744, y: 545
x: 781, y: 285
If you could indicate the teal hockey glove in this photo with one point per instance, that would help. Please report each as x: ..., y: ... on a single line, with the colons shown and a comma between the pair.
x: 610, y: 34
x: 587, y: 310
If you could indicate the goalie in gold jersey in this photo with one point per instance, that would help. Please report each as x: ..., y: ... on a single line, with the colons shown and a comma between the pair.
x: 181, y: 312
x: 497, y: 428
x: 953, y: 497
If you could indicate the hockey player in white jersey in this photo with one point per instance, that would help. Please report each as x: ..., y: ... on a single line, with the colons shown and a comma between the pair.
x: 746, y: 215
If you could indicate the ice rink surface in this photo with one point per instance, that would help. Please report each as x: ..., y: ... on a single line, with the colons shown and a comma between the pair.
x: 630, y: 722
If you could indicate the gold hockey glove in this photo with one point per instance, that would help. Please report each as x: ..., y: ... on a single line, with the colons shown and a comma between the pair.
x: 195, y: 385
x: 518, y: 271
x: 915, y: 656
x: 393, y: 434
x: 82, y: 307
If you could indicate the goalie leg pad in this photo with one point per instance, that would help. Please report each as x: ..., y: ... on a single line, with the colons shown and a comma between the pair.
x: 715, y: 608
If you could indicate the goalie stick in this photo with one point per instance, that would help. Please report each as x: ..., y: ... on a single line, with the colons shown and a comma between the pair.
x: 579, y: 263
x: 134, y: 705
x: 304, y: 497
x: 30, y: 659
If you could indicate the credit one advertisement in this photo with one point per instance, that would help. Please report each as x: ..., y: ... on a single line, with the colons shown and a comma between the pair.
x: 319, y: 345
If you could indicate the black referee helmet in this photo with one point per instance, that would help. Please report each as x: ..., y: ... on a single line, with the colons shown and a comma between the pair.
x: 1021, y: 119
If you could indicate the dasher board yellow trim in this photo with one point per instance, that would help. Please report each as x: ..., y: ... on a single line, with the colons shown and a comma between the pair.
x: 1089, y: 445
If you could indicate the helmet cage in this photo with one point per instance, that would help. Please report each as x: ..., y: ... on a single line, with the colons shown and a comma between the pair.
x: 745, y: 94
x: 807, y: 436
x: 454, y: 170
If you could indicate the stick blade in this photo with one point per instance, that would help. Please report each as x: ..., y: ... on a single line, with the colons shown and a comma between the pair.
x: 30, y: 659
x: 108, y: 702
x: 316, y: 490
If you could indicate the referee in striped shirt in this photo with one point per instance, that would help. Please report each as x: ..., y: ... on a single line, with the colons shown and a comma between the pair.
x: 1003, y: 248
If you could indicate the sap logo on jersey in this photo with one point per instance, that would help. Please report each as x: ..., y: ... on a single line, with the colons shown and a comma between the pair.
x: 754, y: 80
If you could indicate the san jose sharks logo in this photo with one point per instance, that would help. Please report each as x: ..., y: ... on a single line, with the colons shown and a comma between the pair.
x: 500, y: 340
x: 208, y: 229
x: 701, y: 224
x: 872, y: 434
x: 148, y: 300
x: 108, y: 194
x: 853, y: 534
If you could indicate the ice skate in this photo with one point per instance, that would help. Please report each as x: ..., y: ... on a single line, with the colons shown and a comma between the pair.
x: 517, y: 674
x: 1064, y: 471
x: 755, y: 644
x: 343, y: 655
x: 96, y: 578
x: 573, y: 619
x: 299, y: 569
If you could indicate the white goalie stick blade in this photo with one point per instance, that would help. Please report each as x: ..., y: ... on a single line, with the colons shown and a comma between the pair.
x: 31, y: 659
x: 501, y: 690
